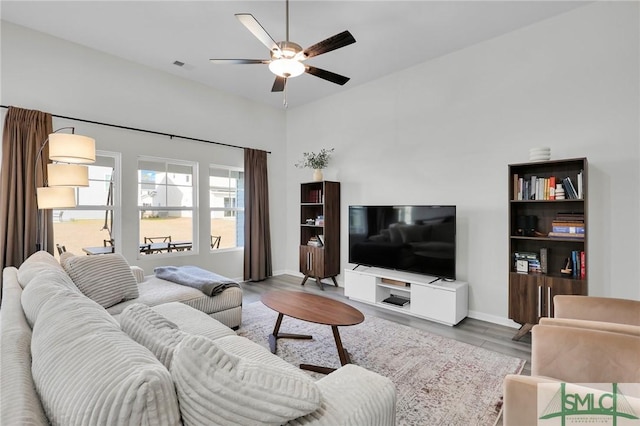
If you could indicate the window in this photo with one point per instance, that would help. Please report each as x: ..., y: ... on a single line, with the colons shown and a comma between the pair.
x: 166, y: 196
x: 91, y: 223
x: 226, y: 202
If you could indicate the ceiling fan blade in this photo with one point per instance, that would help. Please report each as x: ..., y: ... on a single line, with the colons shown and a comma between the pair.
x: 258, y: 31
x: 239, y: 61
x: 332, y: 43
x: 278, y: 84
x: 327, y: 75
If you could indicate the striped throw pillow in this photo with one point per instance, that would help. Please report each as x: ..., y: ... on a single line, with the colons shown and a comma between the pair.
x: 218, y: 388
x: 106, y: 279
x: 152, y: 330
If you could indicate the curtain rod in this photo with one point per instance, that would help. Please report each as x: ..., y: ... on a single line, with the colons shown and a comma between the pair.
x: 153, y: 132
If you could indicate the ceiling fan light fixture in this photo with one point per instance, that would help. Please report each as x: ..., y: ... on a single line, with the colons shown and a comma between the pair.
x: 286, y: 68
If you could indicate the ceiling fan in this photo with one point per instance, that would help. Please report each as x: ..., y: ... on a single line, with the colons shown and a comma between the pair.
x: 287, y: 57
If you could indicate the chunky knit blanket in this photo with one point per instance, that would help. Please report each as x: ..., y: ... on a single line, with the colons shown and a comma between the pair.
x: 207, y: 282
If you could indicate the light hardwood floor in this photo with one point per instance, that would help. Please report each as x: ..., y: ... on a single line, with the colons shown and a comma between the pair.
x: 490, y: 336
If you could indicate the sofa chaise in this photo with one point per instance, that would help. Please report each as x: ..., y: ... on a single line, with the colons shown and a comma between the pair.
x: 66, y: 360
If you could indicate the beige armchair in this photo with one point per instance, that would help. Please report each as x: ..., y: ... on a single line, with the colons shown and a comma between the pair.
x: 591, y: 340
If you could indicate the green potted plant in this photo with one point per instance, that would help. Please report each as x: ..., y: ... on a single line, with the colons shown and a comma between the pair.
x: 315, y: 161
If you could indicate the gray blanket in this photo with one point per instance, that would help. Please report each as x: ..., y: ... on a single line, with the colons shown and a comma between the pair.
x: 207, y: 282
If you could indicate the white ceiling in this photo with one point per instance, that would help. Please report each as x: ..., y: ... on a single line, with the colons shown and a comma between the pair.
x: 390, y: 35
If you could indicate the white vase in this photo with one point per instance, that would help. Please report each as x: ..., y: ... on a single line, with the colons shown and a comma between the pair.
x: 317, y: 175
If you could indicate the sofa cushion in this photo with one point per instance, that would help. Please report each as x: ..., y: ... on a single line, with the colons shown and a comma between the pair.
x: 19, y: 402
x: 218, y: 388
x: 41, y: 256
x: 107, y: 279
x: 89, y: 372
x: 193, y: 321
x: 155, y: 291
x: 152, y: 330
x: 34, y: 265
x: 41, y: 289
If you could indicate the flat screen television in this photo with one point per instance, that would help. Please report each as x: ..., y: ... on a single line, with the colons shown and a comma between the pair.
x: 420, y: 239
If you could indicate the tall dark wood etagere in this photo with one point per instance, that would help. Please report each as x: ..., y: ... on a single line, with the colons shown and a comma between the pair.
x: 531, y: 293
x: 320, y: 222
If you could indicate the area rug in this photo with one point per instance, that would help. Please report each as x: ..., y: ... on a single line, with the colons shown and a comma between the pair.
x: 439, y: 381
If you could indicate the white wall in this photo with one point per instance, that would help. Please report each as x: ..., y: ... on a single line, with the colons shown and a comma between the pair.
x: 52, y: 75
x: 443, y: 132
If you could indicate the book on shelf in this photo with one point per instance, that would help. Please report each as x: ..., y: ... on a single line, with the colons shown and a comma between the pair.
x: 570, y: 217
x: 525, y: 255
x: 321, y: 239
x: 567, y: 229
x: 569, y: 189
x: 315, y: 242
x: 578, y: 259
x: 314, y: 196
x: 534, y: 266
x: 574, y: 236
x: 534, y: 188
x: 574, y: 223
x: 580, y: 185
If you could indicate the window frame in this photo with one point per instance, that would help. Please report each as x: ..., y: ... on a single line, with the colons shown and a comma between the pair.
x: 116, y: 206
x: 193, y: 180
x: 233, y: 210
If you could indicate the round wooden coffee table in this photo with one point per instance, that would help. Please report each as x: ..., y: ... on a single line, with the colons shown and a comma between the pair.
x: 311, y: 308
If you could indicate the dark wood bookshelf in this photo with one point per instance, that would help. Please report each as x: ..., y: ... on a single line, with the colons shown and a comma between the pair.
x: 319, y: 262
x: 531, y: 294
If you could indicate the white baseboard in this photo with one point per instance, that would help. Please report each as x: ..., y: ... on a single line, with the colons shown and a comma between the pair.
x: 493, y: 319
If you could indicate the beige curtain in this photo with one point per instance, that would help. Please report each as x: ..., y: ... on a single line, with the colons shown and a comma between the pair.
x: 257, y: 235
x: 24, y: 133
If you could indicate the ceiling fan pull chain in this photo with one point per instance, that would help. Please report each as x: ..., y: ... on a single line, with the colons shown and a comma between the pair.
x: 284, y: 100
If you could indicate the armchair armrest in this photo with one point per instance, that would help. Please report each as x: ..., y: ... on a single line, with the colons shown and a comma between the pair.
x: 632, y: 330
x: 579, y: 355
x: 607, y: 309
x: 520, y: 399
x: 354, y: 396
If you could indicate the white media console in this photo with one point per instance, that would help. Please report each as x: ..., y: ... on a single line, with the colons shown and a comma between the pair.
x: 445, y: 302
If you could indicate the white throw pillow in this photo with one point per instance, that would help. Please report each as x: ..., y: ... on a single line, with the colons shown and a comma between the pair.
x: 106, y: 278
x: 138, y: 272
x: 152, y: 330
x: 217, y: 388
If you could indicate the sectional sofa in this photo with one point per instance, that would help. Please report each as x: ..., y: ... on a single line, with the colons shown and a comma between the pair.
x: 73, y: 353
